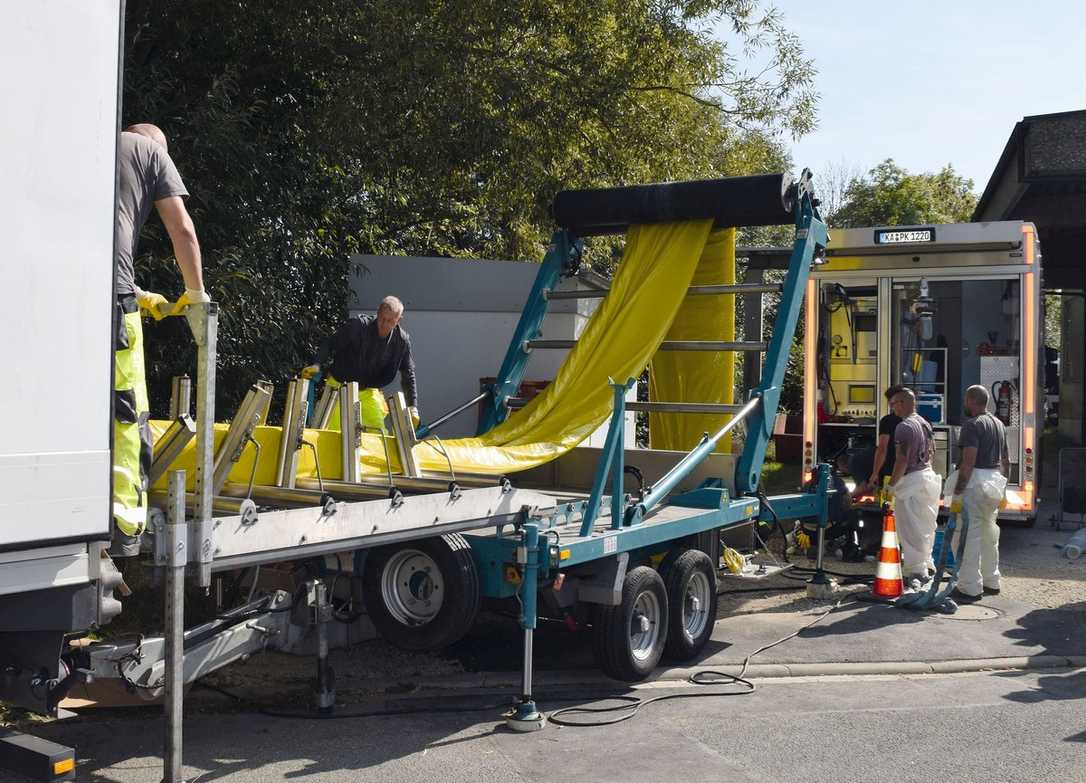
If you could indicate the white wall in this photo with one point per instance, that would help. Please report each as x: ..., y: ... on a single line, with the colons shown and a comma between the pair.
x: 461, y: 314
x: 59, y: 77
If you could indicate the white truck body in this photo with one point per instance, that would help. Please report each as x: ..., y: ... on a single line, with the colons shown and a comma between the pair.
x: 60, y: 63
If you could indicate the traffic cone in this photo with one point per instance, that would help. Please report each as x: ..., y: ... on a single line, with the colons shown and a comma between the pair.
x: 888, y: 583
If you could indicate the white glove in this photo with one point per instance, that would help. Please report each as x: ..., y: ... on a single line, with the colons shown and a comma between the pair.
x: 191, y: 296
x: 414, y: 412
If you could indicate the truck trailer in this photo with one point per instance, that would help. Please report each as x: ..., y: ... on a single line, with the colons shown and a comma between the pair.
x: 935, y: 308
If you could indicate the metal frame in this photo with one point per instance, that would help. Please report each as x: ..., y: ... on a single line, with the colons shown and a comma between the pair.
x: 563, y: 255
x: 526, y: 526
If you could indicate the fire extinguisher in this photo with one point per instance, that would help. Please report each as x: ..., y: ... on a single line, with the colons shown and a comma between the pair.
x: 1002, y: 398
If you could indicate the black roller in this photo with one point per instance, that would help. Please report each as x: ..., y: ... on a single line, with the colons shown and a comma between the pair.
x: 759, y: 200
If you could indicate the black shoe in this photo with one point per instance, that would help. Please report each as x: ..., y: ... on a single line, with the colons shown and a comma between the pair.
x: 964, y: 598
x: 991, y: 591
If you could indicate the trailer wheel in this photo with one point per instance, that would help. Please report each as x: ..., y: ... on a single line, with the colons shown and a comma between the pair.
x: 422, y: 595
x: 692, y: 600
x: 628, y: 639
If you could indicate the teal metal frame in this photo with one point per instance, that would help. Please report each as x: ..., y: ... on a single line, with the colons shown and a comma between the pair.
x: 563, y: 255
x: 534, y: 545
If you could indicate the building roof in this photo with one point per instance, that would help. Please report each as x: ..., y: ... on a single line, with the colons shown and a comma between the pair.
x: 1041, y: 177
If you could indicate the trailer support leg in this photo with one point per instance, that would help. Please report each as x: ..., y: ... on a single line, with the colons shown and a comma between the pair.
x: 322, y: 614
x: 524, y: 717
x: 821, y: 585
x: 177, y: 538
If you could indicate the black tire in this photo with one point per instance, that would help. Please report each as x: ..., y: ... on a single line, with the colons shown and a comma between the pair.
x: 688, y: 632
x: 458, y: 583
x: 612, y: 640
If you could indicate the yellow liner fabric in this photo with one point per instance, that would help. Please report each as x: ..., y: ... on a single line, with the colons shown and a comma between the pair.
x: 698, y: 376
x: 621, y: 337
x: 649, y: 287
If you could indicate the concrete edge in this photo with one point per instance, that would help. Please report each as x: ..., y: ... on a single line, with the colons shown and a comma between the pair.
x: 572, y: 678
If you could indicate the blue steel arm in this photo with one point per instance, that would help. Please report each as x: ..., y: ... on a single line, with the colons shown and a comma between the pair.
x: 611, y: 463
x: 811, y: 239
x: 563, y: 248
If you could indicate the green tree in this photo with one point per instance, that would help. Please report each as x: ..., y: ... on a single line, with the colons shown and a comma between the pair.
x: 307, y: 132
x: 890, y: 196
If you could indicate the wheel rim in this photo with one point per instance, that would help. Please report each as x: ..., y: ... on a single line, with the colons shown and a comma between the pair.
x: 644, y: 625
x: 695, y: 610
x: 412, y: 587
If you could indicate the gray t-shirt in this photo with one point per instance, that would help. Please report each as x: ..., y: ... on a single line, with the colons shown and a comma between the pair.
x: 145, y: 174
x: 988, y: 436
x: 914, y: 435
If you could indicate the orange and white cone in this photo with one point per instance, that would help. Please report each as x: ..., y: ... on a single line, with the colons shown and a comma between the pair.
x: 888, y: 583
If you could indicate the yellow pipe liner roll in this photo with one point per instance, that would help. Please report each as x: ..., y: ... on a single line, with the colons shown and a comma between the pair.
x: 657, y: 267
x: 698, y: 376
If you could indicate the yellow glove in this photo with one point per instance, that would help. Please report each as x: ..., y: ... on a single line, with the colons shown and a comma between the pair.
x: 149, y: 302
x: 191, y: 296
x: 415, y: 420
x: 309, y: 372
x: 956, y: 504
x: 1003, y: 504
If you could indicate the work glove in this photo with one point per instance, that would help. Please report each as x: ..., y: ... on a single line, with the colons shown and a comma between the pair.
x: 1003, y: 504
x: 956, y: 504
x: 310, y: 372
x: 191, y: 296
x: 415, y: 420
x: 149, y: 302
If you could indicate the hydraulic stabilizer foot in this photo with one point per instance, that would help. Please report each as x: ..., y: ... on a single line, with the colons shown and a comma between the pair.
x: 324, y: 689
x: 525, y: 717
x: 821, y: 585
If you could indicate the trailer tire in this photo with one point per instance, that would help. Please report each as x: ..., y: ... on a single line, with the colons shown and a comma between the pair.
x: 692, y: 600
x: 629, y: 639
x: 422, y: 595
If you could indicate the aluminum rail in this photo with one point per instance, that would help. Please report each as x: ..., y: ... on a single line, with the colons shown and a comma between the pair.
x: 694, y: 290
x: 657, y: 407
x: 666, y: 345
x: 683, y: 407
x: 426, y: 429
x: 668, y: 482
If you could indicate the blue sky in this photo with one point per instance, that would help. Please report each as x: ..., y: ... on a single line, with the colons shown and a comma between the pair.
x: 930, y: 83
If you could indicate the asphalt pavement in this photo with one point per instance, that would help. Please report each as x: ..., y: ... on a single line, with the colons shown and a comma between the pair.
x: 1010, y: 726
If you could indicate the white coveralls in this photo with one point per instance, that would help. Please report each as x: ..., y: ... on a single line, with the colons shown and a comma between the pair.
x: 979, y: 567
x: 916, y: 509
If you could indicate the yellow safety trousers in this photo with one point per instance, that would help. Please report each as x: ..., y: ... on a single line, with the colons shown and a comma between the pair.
x: 131, y: 433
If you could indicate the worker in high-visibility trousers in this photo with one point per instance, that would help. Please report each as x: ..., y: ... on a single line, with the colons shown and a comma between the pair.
x: 915, y: 488
x: 977, y: 488
x: 146, y: 178
x: 369, y: 350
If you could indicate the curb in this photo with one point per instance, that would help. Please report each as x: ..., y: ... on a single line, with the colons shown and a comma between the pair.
x: 575, y: 678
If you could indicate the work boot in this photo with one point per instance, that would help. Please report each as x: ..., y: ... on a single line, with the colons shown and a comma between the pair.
x: 124, y: 545
x: 964, y: 598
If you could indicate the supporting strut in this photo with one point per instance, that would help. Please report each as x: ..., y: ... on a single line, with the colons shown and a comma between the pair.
x: 525, y: 716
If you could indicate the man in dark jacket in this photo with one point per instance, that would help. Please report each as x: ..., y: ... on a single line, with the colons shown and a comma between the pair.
x: 370, y: 350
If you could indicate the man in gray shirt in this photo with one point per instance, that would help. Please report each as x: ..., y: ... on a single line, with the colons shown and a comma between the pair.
x: 915, y: 487
x: 978, y: 492
x: 146, y: 178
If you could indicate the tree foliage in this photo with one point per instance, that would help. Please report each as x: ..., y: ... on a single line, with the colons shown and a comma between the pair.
x: 890, y: 196
x: 310, y: 131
